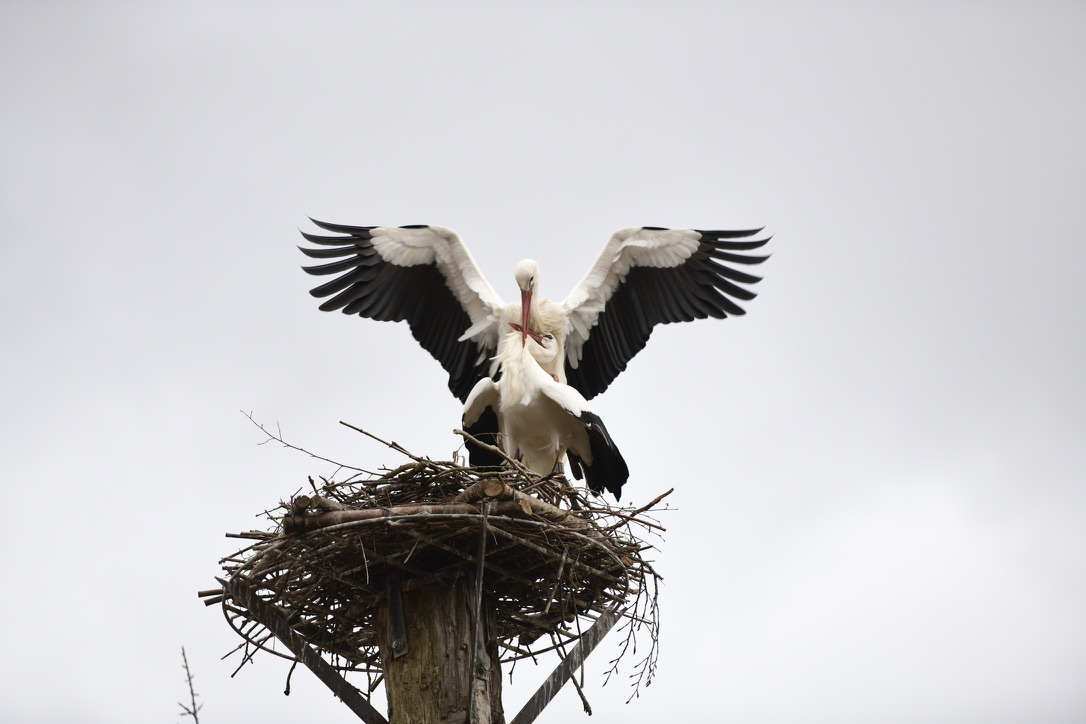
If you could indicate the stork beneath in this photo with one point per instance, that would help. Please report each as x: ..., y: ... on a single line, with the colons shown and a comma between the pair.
x: 541, y: 418
x: 425, y: 275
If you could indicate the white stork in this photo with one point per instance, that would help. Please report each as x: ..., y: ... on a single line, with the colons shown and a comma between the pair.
x: 425, y: 275
x: 541, y: 419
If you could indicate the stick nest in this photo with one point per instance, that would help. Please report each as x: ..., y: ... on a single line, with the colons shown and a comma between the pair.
x: 552, y: 560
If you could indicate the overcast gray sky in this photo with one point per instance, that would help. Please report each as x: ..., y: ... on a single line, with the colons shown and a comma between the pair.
x: 879, y: 471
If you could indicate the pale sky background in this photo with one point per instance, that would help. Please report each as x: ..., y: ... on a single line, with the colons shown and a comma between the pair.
x: 879, y: 471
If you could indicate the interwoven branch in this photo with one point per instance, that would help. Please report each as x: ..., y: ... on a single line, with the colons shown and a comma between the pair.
x: 548, y: 570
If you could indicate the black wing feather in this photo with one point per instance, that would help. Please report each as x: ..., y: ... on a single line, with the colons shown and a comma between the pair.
x: 485, y: 429
x: 373, y: 288
x: 704, y: 286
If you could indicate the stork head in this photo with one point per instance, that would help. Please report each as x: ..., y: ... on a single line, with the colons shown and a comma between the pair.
x: 526, y: 332
x: 527, y: 276
x: 544, y: 349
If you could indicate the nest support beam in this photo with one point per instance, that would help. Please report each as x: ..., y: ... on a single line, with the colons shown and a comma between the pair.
x: 566, y: 669
x: 267, y: 615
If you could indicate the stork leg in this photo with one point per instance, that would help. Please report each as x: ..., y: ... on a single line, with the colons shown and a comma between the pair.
x: 559, y: 472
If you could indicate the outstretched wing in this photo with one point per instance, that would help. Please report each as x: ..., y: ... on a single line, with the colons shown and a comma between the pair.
x: 648, y: 276
x: 422, y: 274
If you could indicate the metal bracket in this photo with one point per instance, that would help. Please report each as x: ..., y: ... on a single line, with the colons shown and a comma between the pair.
x: 397, y: 625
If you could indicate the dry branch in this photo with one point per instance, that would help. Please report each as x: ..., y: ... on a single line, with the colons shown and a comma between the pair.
x: 192, y: 709
x: 548, y: 570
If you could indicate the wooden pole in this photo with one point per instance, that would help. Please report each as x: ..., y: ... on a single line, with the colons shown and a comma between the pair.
x: 435, y: 676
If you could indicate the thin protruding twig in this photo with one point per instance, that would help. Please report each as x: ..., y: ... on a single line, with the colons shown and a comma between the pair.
x: 394, y: 445
x: 491, y: 448
x: 652, y: 503
x: 278, y: 437
x: 192, y: 709
x: 627, y: 518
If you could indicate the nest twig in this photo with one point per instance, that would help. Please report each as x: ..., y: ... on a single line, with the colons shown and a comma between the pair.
x: 549, y: 571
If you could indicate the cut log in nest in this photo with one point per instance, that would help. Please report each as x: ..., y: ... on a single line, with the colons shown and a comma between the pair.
x: 553, y: 560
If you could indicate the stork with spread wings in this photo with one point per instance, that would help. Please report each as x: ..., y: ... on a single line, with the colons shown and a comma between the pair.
x: 426, y: 276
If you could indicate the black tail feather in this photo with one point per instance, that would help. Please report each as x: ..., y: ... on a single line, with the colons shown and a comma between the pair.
x: 608, y: 470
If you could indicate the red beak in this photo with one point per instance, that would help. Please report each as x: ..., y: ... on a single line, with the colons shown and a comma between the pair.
x: 527, y: 333
x: 525, y: 312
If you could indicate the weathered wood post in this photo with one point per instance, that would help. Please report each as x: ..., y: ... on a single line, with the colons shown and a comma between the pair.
x: 434, y: 673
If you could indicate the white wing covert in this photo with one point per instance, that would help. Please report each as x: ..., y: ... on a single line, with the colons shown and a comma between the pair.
x: 422, y: 274
x: 647, y: 276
